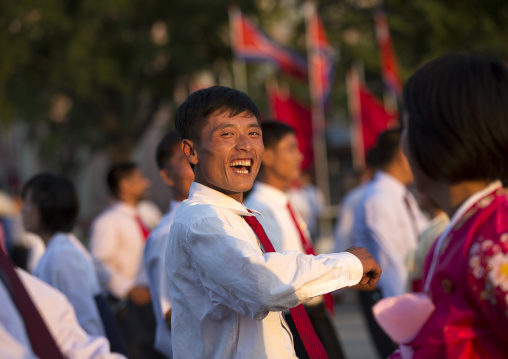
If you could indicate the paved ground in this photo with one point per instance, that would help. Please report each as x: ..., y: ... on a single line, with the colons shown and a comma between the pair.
x: 351, y: 327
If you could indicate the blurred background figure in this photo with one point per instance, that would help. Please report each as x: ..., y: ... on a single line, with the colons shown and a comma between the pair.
x: 387, y: 223
x: 343, y: 232
x: 117, y: 240
x: 308, y: 200
x: 50, y: 210
x: 284, y: 226
x: 178, y: 175
x: 438, y: 222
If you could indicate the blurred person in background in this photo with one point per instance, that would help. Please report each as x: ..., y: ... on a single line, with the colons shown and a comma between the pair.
x: 177, y: 174
x: 309, y: 201
x: 387, y: 223
x: 284, y: 226
x: 117, y: 241
x: 37, y: 321
x: 343, y: 231
x: 50, y: 209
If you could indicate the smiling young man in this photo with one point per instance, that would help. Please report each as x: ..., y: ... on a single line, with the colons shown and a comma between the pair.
x: 228, y: 287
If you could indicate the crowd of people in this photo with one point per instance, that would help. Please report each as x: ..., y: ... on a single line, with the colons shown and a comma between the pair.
x: 230, y: 270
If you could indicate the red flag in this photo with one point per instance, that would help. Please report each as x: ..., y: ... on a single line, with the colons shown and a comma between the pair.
x: 321, y: 60
x: 286, y: 109
x: 252, y: 44
x: 374, y: 118
x: 370, y: 118
x: 389, y: 66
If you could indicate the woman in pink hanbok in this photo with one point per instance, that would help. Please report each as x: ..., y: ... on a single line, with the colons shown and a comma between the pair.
x: 456, y: 141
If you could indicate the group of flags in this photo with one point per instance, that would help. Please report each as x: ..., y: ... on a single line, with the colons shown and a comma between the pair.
x: 370, y: 117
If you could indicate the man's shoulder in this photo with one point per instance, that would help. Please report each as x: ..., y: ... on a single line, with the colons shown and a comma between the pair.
x: 191, y: 211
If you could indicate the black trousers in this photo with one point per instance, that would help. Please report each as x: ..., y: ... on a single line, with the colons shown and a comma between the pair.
x: 137, y: 326
x: 384, y: 345
x: 324, y: 329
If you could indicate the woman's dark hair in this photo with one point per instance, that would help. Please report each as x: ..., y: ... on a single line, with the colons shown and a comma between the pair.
x: 457, y: 107
x: 193, y: 114
x: 56, y: 199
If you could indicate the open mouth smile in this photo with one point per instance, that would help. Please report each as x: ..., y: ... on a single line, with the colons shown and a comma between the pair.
x: 241, y: 166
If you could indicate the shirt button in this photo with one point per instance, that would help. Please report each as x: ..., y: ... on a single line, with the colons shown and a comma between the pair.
x: 447, y: 286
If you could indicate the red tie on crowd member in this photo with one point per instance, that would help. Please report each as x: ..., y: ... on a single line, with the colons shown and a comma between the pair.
x: 310, y: 340
x: 43, y: 344
x: 142, y: 227
x: 309, y: 249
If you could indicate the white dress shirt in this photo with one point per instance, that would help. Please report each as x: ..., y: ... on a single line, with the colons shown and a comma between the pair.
x: 276, y: 219
x: 227, y: 295
x: 116, y: 245
x: 343, y: 232
x: 58, y: 314
x: 67, y: 266
x: 384, y: 226
x: 153, y: 257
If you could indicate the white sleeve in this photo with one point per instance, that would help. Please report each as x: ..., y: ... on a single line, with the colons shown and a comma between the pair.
x: 58, y: 314
x: 240, y: 276
x: 103, y: 244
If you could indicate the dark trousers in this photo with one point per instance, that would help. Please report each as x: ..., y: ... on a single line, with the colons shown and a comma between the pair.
x: 324, y: 329
x: 137, y: 327
x: 384, y: 345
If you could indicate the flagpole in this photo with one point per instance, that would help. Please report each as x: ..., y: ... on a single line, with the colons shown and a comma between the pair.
x: 318, y: 132
x: 239, y: 66
x: 353, y: 89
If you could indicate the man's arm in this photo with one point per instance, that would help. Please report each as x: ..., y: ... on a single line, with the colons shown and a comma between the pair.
x: 237, y: 274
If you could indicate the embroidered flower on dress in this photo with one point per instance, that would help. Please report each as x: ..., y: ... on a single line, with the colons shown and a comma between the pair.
x: 504, y: 238
x: 478, y: 272
x: 486, y: 245
x: 499, y: 270
x: 474, y: 261
x: 475, y: 248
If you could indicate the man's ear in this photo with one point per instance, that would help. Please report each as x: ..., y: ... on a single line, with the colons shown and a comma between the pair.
x: 268, y: 158
x: 190, y: 151
x: 166, y: 177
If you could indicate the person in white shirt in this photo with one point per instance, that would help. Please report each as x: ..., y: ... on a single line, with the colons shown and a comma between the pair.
x: 343, y: 235
x: 388, y: 223
x: 116, y: 244
x: 177, y: 174
x: 58, y: 315
x: 50, y: 210
x: 281, y: 165
x: 227, y: 293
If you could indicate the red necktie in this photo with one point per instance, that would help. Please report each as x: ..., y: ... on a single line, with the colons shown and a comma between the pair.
x: 43, y: 344
x: 309, y: 249
x: 142, y: 227
x: 302, y: 322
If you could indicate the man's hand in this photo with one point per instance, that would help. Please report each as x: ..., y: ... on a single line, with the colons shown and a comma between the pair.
x: 140, y: 295
x: 371, y: 270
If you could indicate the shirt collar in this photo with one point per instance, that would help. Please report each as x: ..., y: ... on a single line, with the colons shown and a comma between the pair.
x: 472, y: 200
x: 204, y: 194
x: 387, y: 180
x: 275, y: 195
x: 124, y: 207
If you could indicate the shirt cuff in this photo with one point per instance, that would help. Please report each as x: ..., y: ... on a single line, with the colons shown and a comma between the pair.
x: 352, y: 269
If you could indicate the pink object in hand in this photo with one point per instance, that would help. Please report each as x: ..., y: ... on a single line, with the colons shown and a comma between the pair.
x: 403, y: 316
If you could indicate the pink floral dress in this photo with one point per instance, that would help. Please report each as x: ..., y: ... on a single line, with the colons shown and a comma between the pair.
x: 469, y: 286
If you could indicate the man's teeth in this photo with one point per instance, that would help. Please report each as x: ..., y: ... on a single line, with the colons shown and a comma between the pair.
x: 240, y: 171
x: 245, y: 163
